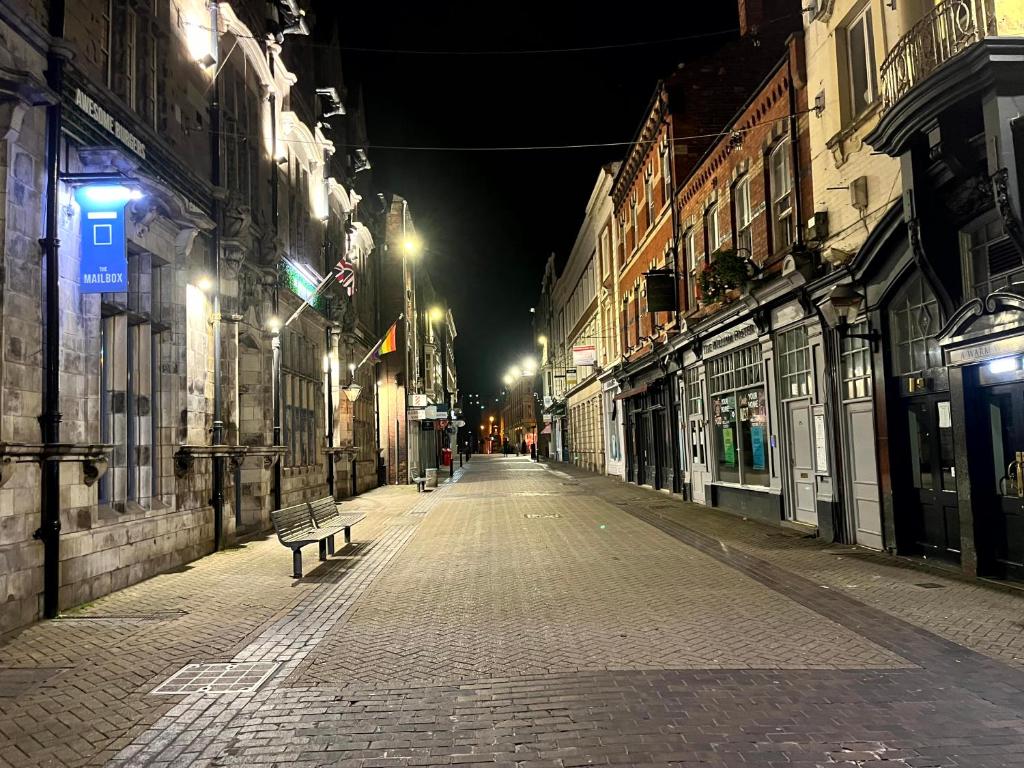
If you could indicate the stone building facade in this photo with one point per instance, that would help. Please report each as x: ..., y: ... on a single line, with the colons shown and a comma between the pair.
x: 235, y: 204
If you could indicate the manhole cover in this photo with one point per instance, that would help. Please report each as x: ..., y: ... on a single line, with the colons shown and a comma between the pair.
x: 541, y: 517
x: 217, y: 678
x: 930, y: 585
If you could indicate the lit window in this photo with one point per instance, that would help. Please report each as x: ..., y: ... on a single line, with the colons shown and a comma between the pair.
x: 691, y: 269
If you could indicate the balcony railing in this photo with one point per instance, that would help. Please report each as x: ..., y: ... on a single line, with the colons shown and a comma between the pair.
x: 948, y: 30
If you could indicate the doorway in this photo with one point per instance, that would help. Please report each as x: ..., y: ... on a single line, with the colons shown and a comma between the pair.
x: 934, y: 515
x: 863, y: 479
x: 1003, y: 518
x: 803, y: 507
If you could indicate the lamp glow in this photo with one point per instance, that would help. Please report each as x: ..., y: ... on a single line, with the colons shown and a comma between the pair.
x: 1004, y: 365
x: 507, y: 379
x: 542, y: 339
x: 108, y: 194
x: 204, y: 284
x: 436, y: 314
x: 352, y: 392
x: 274, y: 325
x: 411, y: 245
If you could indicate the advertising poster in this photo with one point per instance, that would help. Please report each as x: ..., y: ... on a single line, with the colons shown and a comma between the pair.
x: 757, y: 447
x: 728, y: 446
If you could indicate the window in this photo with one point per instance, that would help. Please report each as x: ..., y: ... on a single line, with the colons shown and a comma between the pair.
x: 106, y: 35
x: 741, y: 204
x: 666, y: 176
x: 739, y: 409
x: 649, y: 196
x: 712, y: 236
x: 990, y: 259
x: 856, y: 364
x: 781, y: 187
x: 690, y: 240
x: 632, y: 214
x: 130, y: 57
x: 794, y: 356
x: 860, y: 56
x: 131, y: 329
x: 914, y: 320
x: 695, y: 412
x: 301, y: 385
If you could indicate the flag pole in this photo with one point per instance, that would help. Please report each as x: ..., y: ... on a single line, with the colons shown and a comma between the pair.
x: 379, y: 342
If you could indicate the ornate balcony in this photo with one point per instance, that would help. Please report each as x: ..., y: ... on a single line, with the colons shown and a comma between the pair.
x: 948, y: 30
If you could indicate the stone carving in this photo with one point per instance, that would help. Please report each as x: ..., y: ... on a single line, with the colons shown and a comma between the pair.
x: 1001, y: 190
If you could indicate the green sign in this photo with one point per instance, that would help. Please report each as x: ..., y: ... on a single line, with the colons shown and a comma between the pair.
x: 728, y: 446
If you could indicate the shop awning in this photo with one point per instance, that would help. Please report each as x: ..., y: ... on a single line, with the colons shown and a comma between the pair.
x: 627, y: 393
x: 546, y: 430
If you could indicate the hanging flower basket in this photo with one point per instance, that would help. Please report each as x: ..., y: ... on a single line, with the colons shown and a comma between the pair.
x: 727, y: 272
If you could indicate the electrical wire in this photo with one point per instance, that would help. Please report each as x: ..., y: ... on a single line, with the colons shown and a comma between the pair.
x: 537, y: 147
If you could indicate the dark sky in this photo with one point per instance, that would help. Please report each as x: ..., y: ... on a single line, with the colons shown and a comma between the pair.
x: 490, y: 219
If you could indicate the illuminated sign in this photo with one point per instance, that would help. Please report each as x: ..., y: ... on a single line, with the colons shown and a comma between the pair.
x: 104, y: 267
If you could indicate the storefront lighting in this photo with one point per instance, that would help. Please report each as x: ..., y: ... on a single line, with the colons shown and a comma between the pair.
x: 1005, y: 365
x: 109, y: 194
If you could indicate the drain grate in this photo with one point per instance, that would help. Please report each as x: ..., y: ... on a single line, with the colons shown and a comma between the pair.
x: 530, y: 516
x: 217, y: 678
x: 125, y: 617
x: 930, y: 585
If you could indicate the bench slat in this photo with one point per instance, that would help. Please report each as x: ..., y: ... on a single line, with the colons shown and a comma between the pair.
x: 293, y: 524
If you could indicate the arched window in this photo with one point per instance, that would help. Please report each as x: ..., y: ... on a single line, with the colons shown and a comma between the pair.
x: 914, y: 321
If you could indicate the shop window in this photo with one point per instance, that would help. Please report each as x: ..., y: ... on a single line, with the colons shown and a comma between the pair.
x: 860, y: 64
x: 739, y: 408
x: 914, y: 321
x: 794, y: 358
x: 856, y: 364
x: 780, y: 184
x: 302, y: 390
x: 743, y: 214
x: 991, y: 261
x: 240, y: 137
x: 695, y: 414
x: 131, y: 331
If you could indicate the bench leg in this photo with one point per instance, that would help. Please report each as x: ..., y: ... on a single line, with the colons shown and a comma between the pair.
x: 330, y: 544
x: 322, y: 546
x: 297, y: 563
x: 348, y: 535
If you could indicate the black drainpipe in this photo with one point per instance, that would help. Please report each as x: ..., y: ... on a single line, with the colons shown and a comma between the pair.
x: 218, y: 405
x: 276, y: 342
x: 49, y: 530
x: 794, y: 150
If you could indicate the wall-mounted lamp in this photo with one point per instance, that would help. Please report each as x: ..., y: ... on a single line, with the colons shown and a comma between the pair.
x: 274, y: 325
x: 842, y: 308
x: 204, y: 284
x: 352, y: 392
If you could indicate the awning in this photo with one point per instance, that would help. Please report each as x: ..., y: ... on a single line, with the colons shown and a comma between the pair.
x: 627, y: 393
x: 546, y: 430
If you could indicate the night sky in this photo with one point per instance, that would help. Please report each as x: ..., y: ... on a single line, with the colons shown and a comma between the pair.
x: 490, y: 219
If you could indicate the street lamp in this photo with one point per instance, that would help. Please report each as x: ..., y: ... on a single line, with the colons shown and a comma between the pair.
x: 436, y: 314
x: 507, y: 379
x: 412, y: 246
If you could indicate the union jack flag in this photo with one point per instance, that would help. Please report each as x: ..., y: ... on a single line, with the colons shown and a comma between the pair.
x: 346, y: 275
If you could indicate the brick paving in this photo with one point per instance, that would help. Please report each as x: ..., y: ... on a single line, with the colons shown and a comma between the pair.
x: 528, y: 617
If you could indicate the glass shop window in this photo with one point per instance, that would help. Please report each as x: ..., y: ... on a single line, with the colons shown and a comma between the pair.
x: 739, y: 410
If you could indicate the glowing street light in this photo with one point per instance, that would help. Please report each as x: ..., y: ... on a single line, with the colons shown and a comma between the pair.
x: 507, y: 379
x: 436, y: 314
x: 412, y: 246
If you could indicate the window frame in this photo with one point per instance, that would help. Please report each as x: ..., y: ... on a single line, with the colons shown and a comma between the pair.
x: 781, y: 238
x: 743, y: 214
x: 865, y: 20
x: 712, y: 234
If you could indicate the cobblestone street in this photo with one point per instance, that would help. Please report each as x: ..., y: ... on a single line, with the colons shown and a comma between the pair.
x: 531, y: 615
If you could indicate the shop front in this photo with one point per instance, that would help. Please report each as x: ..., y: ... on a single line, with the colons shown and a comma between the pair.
x: 983, y: 347
x: 652, y: 431
x: 611, y: 408
x: 742, y: 451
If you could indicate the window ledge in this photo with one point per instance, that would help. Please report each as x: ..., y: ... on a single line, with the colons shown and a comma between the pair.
x: 841, y: 145
x: 741, y: 487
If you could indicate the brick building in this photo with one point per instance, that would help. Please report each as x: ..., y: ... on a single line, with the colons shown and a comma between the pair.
x: 687, y: 112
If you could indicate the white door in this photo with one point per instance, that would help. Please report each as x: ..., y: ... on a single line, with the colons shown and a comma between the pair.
x: 861, y: 466
x: 802, y: 507
x: 698, y: 458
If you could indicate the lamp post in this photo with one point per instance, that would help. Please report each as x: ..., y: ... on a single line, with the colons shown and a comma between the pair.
x: 274, y: 326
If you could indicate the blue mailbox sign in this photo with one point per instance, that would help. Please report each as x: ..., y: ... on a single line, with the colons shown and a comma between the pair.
x: 104, y: 253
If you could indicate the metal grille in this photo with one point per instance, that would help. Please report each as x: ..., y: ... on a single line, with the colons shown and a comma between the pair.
x: 217, y: 678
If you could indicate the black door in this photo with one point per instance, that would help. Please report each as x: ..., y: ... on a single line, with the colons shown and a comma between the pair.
x: 1001, y: 521
x: 649, y: 460
x: 934, y: 515
x: 634, y: 463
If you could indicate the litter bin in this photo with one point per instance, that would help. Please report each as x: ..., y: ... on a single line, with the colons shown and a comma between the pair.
x: 446, y: 457
x: 432, y: 477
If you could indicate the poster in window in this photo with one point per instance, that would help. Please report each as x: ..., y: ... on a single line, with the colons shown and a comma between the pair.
x: 820, y: 441
x: 728, y: 446
x: 757, y: 447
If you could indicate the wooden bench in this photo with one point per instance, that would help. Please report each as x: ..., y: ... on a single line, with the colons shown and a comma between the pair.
x: 330, y: 521
x: 296, y: 527
x: 421, y: 483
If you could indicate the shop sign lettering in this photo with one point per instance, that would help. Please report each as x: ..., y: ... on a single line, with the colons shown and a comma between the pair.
x: 104, y: 119
x: 736, y: 335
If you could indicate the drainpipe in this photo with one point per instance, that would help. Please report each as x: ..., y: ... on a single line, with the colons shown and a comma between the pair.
x: 218, y: 395
x: 794, y: 151
x: 275, y: 339
x: 49, y: 530
x: 329, y: 335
